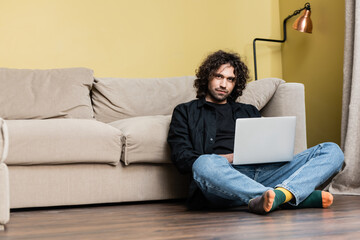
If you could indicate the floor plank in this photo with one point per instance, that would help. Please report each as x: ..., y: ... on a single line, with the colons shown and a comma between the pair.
x: 171, y: 220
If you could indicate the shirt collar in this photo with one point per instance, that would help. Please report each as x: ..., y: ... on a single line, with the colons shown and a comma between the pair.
x: 203, y: 102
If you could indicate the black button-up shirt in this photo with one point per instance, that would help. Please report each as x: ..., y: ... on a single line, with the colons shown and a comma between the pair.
x: 193, y: 131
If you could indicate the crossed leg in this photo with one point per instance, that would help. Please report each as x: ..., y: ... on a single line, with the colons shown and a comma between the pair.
x: 254, y: 185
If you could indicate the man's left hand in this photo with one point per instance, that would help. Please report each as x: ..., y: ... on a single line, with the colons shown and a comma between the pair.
x: 229, y: 157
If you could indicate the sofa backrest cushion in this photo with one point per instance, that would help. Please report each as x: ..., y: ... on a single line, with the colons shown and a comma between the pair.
x: 120, y: 98
x: 258, y: 93
x: 44, y: 94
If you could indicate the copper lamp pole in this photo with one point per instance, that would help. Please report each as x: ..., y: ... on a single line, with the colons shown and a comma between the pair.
x: 302, y: 24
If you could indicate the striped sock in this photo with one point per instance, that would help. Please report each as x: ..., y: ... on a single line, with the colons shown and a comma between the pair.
x: 317, y: 199
x: 269, y: 201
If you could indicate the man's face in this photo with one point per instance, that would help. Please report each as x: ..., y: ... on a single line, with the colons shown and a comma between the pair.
x: 221, y: 84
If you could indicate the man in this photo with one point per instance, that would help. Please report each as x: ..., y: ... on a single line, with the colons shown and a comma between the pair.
x: 201, y: 138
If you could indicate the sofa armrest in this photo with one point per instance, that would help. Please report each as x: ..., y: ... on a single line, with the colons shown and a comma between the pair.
x: 4, y: 196
x: 4, y: 140
x: 289, y: 100
x: 4, y: 176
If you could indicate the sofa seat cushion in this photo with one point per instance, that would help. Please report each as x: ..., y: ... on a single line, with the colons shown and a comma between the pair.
x: 145, y: 139
x: 45, y: 94
x: 62, y: 141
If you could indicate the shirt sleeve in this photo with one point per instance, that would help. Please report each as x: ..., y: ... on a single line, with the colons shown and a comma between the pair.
x: 183, y: 154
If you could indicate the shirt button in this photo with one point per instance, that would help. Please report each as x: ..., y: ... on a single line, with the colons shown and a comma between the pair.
x: 211, y: 139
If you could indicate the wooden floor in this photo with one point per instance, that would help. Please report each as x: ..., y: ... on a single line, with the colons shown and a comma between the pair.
x: 171, y: 220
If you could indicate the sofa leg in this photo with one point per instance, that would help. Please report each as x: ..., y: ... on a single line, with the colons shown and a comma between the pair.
x: 2, y: 227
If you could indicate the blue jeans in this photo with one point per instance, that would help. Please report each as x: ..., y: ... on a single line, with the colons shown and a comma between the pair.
x: 227, y: 185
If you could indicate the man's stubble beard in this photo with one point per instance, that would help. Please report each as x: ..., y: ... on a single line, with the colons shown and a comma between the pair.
x: 216, y: 97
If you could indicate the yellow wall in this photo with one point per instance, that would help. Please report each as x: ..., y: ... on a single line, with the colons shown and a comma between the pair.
x: 317, y: 61
x: 161, y: 38
x: 137, y: 38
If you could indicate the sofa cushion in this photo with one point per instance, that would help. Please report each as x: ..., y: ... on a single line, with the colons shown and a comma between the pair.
x: 119, y: 98
x: 4, y: 140
x: 145, y: 139
x: 60, y: 141
x: 258, y: 93
x: 44, y: 94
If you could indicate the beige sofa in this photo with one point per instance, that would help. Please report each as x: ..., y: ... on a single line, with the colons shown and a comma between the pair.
x: 69, y: 138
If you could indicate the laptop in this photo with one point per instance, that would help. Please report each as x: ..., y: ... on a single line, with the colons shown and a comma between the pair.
x: 264, y: 140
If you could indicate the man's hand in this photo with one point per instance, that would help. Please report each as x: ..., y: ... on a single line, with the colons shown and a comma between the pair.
x: 229, y: 157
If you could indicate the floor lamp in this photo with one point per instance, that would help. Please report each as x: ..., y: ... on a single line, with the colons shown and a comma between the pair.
x: 302, y: 24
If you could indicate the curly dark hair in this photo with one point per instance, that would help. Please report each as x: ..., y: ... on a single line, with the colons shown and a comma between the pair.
x: 212, y: 63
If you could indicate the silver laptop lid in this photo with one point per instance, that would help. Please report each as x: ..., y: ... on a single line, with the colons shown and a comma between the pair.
x: 264, y: 140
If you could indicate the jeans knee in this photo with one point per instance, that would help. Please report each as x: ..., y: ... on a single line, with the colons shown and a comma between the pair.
x: 337, y: 155
x: 206, y: 165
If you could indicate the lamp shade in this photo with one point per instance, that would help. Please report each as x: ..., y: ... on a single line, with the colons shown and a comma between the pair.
x: 303, y: 23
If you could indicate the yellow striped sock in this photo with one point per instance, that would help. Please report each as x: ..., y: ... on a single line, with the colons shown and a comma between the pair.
x: 288, y: 194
